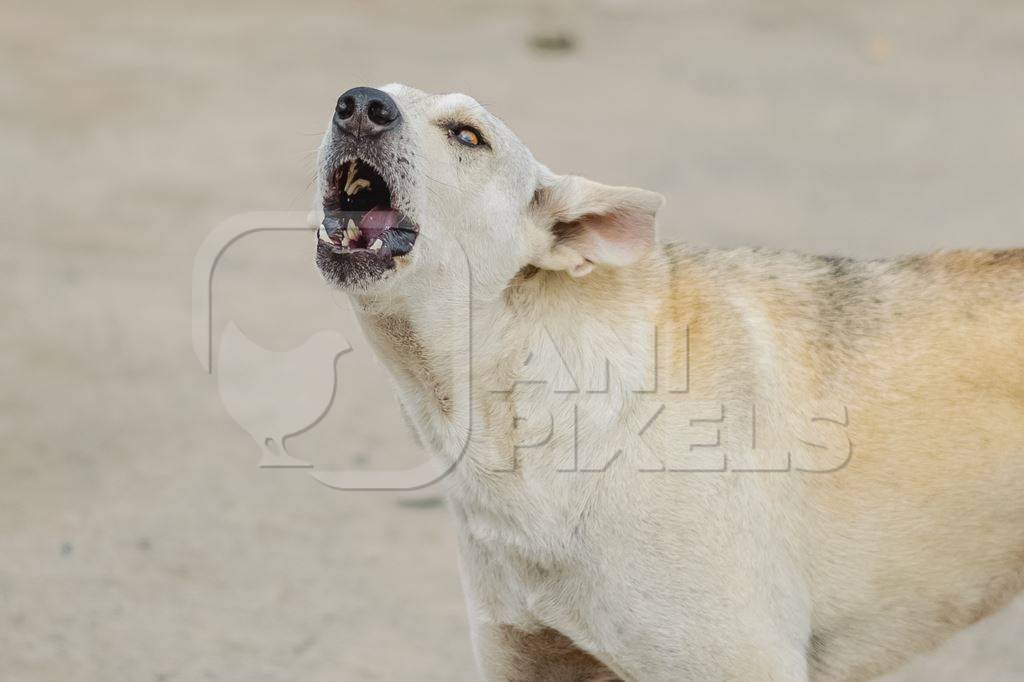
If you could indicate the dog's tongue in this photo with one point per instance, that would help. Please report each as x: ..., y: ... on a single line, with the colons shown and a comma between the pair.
x: 376, y: 220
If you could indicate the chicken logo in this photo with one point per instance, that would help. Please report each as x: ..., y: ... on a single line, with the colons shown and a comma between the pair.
x: 270, y: 394
x: 252, y: 380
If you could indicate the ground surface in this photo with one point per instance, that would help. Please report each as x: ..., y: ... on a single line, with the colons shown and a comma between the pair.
x: 138, y: 540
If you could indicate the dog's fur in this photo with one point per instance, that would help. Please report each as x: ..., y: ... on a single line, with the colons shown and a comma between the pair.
x: 670, y: 463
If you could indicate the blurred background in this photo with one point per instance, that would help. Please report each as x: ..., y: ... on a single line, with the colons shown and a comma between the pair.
x: 138, y: 539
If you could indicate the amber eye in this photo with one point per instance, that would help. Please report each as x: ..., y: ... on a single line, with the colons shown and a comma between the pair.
x: 466, y: 135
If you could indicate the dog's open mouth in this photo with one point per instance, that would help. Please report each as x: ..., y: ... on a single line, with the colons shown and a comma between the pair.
x: 359, y: 216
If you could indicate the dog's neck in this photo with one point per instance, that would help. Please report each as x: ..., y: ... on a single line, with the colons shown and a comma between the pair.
x: 458, y: 360
x: 426, y: 348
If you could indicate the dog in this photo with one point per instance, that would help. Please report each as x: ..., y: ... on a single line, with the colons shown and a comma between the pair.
x: 672, y: 463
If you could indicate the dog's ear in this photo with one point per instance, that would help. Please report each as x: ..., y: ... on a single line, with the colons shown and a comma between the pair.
x: 592, y: 224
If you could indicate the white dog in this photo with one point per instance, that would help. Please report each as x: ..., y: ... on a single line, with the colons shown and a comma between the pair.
x: 669, y: 463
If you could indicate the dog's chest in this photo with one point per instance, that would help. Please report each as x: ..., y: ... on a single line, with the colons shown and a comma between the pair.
x: 532, y: 534
x: 520, y: 565
x: 552, y: 415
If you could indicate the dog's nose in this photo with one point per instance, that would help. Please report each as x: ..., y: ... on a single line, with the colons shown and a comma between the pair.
x: 366, y: 112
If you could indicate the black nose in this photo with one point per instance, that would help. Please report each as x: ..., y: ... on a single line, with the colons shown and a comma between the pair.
x: 366, y: 112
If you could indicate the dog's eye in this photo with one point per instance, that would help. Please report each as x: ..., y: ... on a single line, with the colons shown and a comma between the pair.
x: 466, y: 135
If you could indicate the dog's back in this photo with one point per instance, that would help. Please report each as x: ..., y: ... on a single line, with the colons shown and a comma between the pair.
x: 922, y: 531
x: 925, y: 527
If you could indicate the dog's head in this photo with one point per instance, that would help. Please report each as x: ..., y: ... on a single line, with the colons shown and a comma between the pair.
x: 409, y: 182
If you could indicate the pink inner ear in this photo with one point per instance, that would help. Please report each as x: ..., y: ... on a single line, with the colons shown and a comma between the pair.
x: 598, y: 223
x: 617, y: 238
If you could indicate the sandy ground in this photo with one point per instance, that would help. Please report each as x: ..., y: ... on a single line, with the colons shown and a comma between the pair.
x: 138, y: 539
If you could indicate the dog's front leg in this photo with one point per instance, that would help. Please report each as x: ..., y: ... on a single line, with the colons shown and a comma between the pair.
x: 509, y: 654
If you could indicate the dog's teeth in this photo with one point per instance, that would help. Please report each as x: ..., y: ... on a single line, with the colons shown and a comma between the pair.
x: 375, y: 246
x: 321, y: 234
x: 352, y: 183
x: 344, y: 241
x: 352, y: 231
